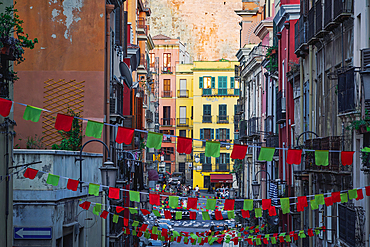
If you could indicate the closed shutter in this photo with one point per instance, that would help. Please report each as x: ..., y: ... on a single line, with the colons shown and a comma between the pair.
x: 231, y: 82
x: 228, y: 134
x: 217, y: 161
x: 213, y: 82
x: 201, y: 134
x: 217, y: 136
x: 212, y: 134
x: 202, y: 158
x: 200, y: 82
x: 227, y: 158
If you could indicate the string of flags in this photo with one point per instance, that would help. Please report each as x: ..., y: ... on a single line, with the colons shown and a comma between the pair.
x: 184, y: 145
x: 301, y: 202
x: 246, y: 233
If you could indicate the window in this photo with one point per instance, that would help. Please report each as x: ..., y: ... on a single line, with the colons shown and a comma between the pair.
x: 207, y: 134
x: 191, y: 112
x: 224, y: 158
x: 232, y: 82
x: 222, y: 85
x: 207, y: 82
x: 182, y: 133
x: 223, y: 134
x: 182, y: 120
x: 222, y: 110
x: 204, y: 159
x: 118, y: 26
x: 166, y: 62
x: 166, y: 112
x: 152, y: 60
x: 166, y: 88
x: 168, y: 167
x: 167, y: 132
x: 183, y: 92
x: 167, y: 152
x: 207, y: 118
x: 181, y: 167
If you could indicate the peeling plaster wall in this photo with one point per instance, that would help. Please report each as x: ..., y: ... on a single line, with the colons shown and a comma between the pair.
x: 210, y: 29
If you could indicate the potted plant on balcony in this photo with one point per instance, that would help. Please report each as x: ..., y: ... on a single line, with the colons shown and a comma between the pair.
x: 271, y: 55
x: 361, y: 125
x: 13, y: 40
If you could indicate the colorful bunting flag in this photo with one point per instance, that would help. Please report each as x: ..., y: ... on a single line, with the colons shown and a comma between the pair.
x: 360, y: 195
x: 184, y: 145
x: 322, y: 158
x: 266, y: 204
x: 119, y: 209
x: 218, y: 215
x: 94, y: 129
x: 344, y: 197
x: 173, y: 201
x: 367, y: 188
x: 319, y: 198
x: 52, y: 179
x: 352, y: 194
x: 335, y: 197
x: 63, y: 122
x: 212, y: 149
x: 30, y: 173
x: 154, y: 140
x: 272, y: 211
x: 5, y: 107
x: 132, y: 210
x: 229, y: 204
x: 193, y: 215
x: 72, y: 184
x: 248, y: 204
x: 285, y: 205
x: 115, y: 218
x: 32, y: 113
x: 294, y: 156
x: 239, y: 151
x: 145, y: 211
x: 230, y: 214
x: 154, y: 199
x: 266, y: 154
x: 205, y: 215
x: 328, y: 201
x: 192, y: 203
x: 346, y: 157
x: 104, y: 214
x: 211, y: 204
x: 85, y: 205
x: 134, y: 196
x: 314, y: 204
x: 178, y: 215
x: 113, y: 193
x: 258, y: 212
x: 94, y: 189
x: 124, y: 135
x: 97, y: 209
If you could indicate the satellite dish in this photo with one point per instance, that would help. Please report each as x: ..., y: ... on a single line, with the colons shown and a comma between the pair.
x: 126, y: 73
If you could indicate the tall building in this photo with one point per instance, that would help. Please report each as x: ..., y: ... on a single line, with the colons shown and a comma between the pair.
x: 215, y: 95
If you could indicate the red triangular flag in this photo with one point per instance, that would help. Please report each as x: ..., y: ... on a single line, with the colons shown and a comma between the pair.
x: 63, y: 122
x: 239, y: 151
x: 266, y: 203
x: 218, y: 215
x: 143, y: 227
x: 193, y: 215
x: 367, y: 188
x: 113, y: 193
x: 300, y: 208
x: 328, y: 201
x: 347, y: 157
x: 154, y: 199
x: 272, y: 211
x: 229, y: 204
x: 125, y: 222
x: 5, y: 106
x: 124, y: 135
x: 294, y: 156
x: 184, y: 145
x: 72, y: 184
x: 245, y: 214
x: 192, y: 203
x: 281, y: 239
x: 104, y: 214
x: 145, y: 211
x: 360, y: 195
x: 119, y: 209
x: 335, y: 197
x: 310, y: 232
x: 302, y: 200
x: 30, y: 173
x: 167, y: 214
x: 85, y: 205
x: 265, y: 241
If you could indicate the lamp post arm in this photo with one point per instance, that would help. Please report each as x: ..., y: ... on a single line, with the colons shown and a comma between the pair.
x: 80, y: 159
x: 255, y: 176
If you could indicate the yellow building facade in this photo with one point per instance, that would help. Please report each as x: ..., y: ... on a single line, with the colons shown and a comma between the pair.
x: 213, y: 94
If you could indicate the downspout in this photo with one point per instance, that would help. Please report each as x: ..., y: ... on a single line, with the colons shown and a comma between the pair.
x: 301, y: 78
x: 310, y: 89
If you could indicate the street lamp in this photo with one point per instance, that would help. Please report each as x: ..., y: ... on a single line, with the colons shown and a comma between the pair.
x: 108, y: 173
x: 255, y: 189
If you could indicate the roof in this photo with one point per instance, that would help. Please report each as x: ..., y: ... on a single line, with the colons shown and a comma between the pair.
x: 160, y: 36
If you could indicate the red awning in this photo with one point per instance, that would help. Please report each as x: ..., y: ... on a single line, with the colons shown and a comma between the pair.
x: 221, y: 178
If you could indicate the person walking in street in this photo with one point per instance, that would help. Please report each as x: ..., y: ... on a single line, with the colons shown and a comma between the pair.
x: 197, y: 190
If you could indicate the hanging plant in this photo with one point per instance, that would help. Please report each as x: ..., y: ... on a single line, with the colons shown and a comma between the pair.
x: 271, y: 55
x: 13, y: 40
x: 362, y: 125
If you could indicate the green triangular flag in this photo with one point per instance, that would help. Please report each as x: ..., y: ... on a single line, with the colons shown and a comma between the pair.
x: 178, y: 215
x: 200, y: 240
x: 352, y: 194
x: 366, y: 150
x: 287, y: 239
x: 94, y: 129
x: 53, y: 179
x: 211, y: 204
x: 156, y: 213
x: 132, y: 210
x: 273, y: 240
x: 205, y: 215
x: 136, y: 223
x: 285, y: 205
x: 343, y: 197
x: 267, y: 236
x: 258, y: 212
x: 302, y: 234
x: 320, y: 199
x: 231, y: 214
x: 248, y: 204
x: 175, y: 234
x: 154, y: 140
x: 258, y: 241
x: 317, y: 231
x: 173, y: 201
x: 94, y: 189
x: 32, y: 113
x: 266, y: 154
x: 212, y: 149
x: 154, y: 230
x: 314, y: 205
x: 115, y: 218
x: 193, y: 236
x: 147, y: 235
x: 321, y: 157
x: 134, y: 196
x: 97, y: 209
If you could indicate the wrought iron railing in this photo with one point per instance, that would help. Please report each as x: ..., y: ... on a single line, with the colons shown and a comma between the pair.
x: 328, y: 12
x: 167, y: 121
x: 166, y: 94
x: 222, y: 167
x: 206, y: 167
x: 342, y: 8
x: 311, y: 23
x: 318, y: 7
x: 207, y: 119
x: 346, y: 91
x: 223, y: 119
x: 183, y: 93
x: 182, y: 122
x: 220, y: 92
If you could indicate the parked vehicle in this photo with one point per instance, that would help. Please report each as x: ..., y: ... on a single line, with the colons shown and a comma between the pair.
x: 219, y: 228
x: 178, y: 176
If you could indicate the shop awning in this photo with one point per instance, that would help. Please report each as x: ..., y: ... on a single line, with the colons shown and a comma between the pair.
x: 221, y: 178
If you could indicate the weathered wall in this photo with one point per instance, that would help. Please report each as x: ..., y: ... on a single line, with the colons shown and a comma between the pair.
x: 209, y: 28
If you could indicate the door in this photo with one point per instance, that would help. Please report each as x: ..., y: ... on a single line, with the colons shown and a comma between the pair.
x: 182, y: 120
x: 183, y: 92
x: 207, y: 181
x: 166, y: 115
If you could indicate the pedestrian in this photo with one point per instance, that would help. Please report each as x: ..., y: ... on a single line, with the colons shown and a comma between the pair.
x: 197, y: 190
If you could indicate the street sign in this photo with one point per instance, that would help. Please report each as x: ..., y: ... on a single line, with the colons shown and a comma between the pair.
x: 32, y: 232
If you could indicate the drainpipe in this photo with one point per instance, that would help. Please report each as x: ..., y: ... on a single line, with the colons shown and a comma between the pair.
x: 108, y: 8
x: 311, y: 82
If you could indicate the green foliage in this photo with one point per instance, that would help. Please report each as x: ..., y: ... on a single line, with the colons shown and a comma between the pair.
x: 356, y: 124
x: 13, y: 40
x: 271, y: 55
x: 365, y: 157
x: 72, y: 140
x: 34, y: 142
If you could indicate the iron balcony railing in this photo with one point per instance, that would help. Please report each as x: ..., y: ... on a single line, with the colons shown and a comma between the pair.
x: 207, y: 92
x: 222, y: 167
x: 167, y: 121
x: 221, y: 92
x: 183, y: 122
x: 328, y: 13
x: 223, y: 119
x: 253, y: 126
x: 311, y: 23
x: 168, y: 70
x: 116, y: 99
x: 207, y: 119
x: 318, y: 8
x: 206, y: 167
x: 166, y: 94
x: 342, y: 9
x: 183, y: 93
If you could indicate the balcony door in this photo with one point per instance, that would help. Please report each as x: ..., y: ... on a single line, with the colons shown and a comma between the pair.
x: 166, y: 115
x: 166, y: 88
x: 183, y: 88
x: 182, y: 115
x: 222, y: 85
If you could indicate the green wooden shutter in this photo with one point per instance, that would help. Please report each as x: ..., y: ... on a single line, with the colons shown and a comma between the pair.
x: 217, y: 134
x: 231, y: 82
x: 212, y: 134
x: 213, y: 82
x: 200, y: 82
x: 227, y: 158
x: 227, y: 134
x: 201, y: 134
x: 217, y: 161
x: 202, y: 158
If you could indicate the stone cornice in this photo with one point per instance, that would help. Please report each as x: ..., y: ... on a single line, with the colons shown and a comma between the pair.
x: 263, y: 28
x: 243, y: 13
x: 286, y: 13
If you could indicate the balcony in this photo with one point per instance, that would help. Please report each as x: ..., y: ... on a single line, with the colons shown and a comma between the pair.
x: 166, y: 94
x: 311, y: 26
x: 149, y: 116
x: 319, y: 32
x: 253, y: 126
x: 221, y: 92
x: 142, y: 28
x: 300, y: 37
x: 343, y: 9
x: 167, y: 70
x: 206, y: 167
x: 207, y: 119
x: 183, y: 93
x: 243, y: 131
x: 207, y: 92
x: 143, y: 63
x: 346, y: 91
x: 182, y: 122
x: 329, y: 25
x: 239, y: 108
x: 280, y: 108
x: 167, y: 121
x: 223, y: 119
x: 222, y: 167
x: 273, y: 142
x: 116, y: 102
